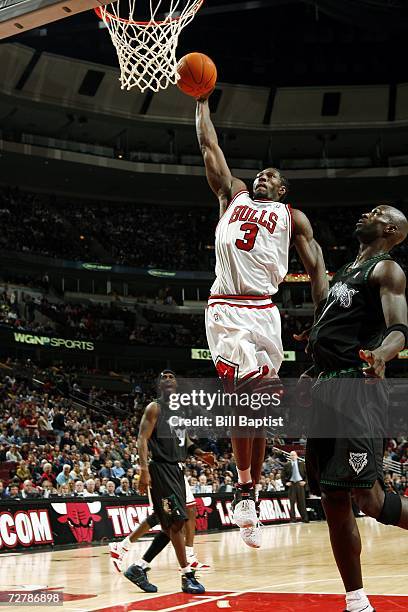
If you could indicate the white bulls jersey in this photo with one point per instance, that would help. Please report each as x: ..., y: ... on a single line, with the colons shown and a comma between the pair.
x: 252, y: 243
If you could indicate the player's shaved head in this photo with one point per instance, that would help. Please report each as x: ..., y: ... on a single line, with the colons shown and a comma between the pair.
x: 384, y: 223
x: 397, y: 223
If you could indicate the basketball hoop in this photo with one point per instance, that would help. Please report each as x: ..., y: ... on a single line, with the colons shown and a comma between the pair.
x: 147, y: 49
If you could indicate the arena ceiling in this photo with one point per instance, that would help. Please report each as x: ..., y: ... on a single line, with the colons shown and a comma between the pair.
x: 270, y: 42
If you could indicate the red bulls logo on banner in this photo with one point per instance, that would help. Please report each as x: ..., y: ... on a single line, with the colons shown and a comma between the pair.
x: 80, y: 517
x: 203, y: 505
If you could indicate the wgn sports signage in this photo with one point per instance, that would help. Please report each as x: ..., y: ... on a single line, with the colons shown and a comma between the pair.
x: 51, y: 342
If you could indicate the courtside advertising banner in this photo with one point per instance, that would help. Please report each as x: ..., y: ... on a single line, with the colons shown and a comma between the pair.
x: 68, y: 521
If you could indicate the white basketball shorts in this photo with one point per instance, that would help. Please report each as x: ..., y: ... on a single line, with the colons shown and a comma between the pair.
x: 244, y: 337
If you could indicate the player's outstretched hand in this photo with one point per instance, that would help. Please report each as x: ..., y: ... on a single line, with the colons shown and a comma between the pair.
x: 208, y: 458
x: 204, y: 97
x: 376, y: 364
x: 144, y: 482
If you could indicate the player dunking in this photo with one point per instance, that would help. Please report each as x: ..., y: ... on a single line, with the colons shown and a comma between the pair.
x: 243, y: 326
x: 363, y: 320
x: 163, y: 477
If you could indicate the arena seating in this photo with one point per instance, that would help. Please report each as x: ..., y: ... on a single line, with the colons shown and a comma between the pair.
x: 178, y: 238
x: 45, y: 428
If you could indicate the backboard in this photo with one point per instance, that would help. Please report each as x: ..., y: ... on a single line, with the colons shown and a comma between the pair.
x: 18, y: 16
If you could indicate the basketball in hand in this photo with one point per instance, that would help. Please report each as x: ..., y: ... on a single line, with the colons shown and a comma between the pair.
x: 198, y: 75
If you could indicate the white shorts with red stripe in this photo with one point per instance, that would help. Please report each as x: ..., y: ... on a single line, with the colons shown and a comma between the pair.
x: 190, y: 499
x: 244, y: 337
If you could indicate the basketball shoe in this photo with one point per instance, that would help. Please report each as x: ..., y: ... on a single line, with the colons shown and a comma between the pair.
x: 244, y: 506
x: 252, y: 536
x: 195, y: 564
x: 368, y: 609
x: 117, y: 554
x: 138, y: 576
x: 189, y: 584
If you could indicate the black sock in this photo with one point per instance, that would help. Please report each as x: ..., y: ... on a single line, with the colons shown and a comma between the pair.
x: 160, y: 541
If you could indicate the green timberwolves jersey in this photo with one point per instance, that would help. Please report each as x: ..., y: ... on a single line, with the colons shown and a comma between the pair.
x: 352, y: 318
x: 167, y: 444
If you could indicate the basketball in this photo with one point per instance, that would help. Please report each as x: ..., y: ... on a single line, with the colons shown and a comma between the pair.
x: 198, y: 74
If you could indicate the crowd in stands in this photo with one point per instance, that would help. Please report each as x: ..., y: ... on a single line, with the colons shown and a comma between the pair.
x: 175, y: 238
x: 59, y: 440
x: 138, y: 325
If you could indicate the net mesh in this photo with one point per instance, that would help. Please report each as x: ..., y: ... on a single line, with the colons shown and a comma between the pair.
x: 147, y: 50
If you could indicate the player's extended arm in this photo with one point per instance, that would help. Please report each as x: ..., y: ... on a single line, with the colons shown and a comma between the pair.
x: 192, y: 447
x: 147, y: 425
x: 391, y: 280
x: 311, y: 255
x: 219, y: 176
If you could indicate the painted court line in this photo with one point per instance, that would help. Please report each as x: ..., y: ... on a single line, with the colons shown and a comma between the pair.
x: 205, y: 600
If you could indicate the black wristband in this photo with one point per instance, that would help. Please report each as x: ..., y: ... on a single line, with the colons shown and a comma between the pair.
x: 192, y: 448
x: 398, y: 327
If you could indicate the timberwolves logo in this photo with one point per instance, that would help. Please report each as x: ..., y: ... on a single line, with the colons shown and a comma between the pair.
x: 358, y: 461
x: 342, y: 294
x: 166, y: 503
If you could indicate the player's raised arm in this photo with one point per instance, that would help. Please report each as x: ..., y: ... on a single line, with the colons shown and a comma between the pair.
x: 391, y: 280
x: 219, y: 176
x: 311, y: 255
x: 147, y: 425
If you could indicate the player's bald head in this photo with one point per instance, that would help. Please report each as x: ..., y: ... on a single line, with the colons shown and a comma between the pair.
x: 397, y: 224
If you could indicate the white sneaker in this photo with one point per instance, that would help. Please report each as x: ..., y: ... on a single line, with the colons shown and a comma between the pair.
x: 245, y: 514
x: 117, y: 553
x: 252, y: 535
x: 195, y: 564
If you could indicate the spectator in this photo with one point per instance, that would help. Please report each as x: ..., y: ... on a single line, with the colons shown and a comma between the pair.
x: 117, y: 469
x: 102, y: 488
x: 23, y: 473
x: 135, y: 484
x: 202, y: 486
x: 63, y: 490
x: 58, y: 424
x: 64, y: 477
x: 13, y: 454
x: 110, y: 489
x: 279, y: 486
x: 48, y: 474
x: 66, y: 441
x: 106, y: 470
x: 90, y: 488
x: 123, y: 489
x: 75, y: 473
x: 48, y: 489
x: 79, y: 490
x: 28, y: 491
x: 3, y: 494
x: 227, y: 486
x: 14, y: 491
x: 98, y: 486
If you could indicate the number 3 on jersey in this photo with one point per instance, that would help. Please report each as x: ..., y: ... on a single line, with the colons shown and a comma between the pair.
x: 247, y: 242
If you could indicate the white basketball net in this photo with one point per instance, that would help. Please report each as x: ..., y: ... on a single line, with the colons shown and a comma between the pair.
x: 147, y: 50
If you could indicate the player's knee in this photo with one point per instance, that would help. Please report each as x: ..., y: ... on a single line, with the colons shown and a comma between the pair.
x: 369, y: 502
x: 391, y: 511
x: 191, y: 511
x: 335, y: 501
x: 176, y: 526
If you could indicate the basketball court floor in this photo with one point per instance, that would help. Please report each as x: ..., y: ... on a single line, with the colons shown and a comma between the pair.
x: 293, y: 572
